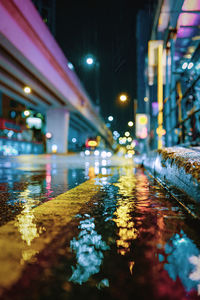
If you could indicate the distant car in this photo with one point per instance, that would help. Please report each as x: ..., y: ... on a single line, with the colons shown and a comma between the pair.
x: 91, y: 143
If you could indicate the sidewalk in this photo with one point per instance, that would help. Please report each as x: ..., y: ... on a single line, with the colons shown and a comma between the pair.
x: 176, y: 167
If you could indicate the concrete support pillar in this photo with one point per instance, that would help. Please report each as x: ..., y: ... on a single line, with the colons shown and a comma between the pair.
x: 57, y: 123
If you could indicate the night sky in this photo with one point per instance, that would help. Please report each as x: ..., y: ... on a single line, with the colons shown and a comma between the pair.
x: 107, y: 30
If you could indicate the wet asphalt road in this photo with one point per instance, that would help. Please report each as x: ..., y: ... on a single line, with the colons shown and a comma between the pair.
x: 129, y: 240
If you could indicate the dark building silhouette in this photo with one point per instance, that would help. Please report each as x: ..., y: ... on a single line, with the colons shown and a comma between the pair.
x: 47, y: 9
x: 143, y: 32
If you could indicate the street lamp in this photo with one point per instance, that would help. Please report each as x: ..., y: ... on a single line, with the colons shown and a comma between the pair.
x: 110, y: 118
x: 91, y: 61
x: 27, y: 113
x: 123, y: 97
x: 27, y: 90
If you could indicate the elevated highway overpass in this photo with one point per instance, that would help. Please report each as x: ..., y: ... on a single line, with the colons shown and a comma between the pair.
x: 29, y: 55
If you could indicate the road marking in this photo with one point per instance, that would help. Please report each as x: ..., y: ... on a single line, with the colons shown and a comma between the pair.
x: 33, y: 229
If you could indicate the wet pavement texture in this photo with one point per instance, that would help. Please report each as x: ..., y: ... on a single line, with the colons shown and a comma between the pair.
x: 131, y: 240
x: 33, y: 184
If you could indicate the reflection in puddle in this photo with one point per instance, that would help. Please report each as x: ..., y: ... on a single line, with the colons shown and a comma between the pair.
x: 104, y: 162
x: 151, y: 254
x: 195, y: 275
x: 181, y: 258
x: 91, y: 172
x: 25, y: 220
x: 126, y: 183
x: 28, y: 255
x: 104, y: 171
x: 88, y: 248
x: 93, y: 168
x: 26, y: 225
x: 42, y: 185
x: 183, y: 261
x: 48, y: 180
x: 127, y: 231
x: 96, y: 169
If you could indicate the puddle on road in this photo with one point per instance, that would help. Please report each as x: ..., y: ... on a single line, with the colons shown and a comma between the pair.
x: 131, y: 242
x: 20, y: 189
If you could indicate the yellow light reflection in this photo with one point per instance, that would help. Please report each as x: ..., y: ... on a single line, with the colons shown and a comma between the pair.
x: 127, y: 231
x: 26, y: 226
x: 91, y: 172
x: 131, y: 264
x: 25, y: 221
x: 126, y: 182
x: 28, y: 255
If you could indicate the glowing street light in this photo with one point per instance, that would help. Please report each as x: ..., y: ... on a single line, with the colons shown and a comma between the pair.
x: 93, y: 62
x: 89, y: 60
x: 27, y: 113
x: 130, y: 124
x: 123, y: 97
x: 110, y: 118
x: 27, y: 90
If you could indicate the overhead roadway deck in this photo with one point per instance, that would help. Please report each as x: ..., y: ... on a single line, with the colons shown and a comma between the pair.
x: 29, y: 55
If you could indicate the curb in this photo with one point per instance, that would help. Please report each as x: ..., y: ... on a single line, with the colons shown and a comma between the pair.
x: 178, y: 170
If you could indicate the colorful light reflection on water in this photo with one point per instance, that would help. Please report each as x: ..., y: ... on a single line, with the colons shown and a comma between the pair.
x: 132, y: 240
x: 150, y: 253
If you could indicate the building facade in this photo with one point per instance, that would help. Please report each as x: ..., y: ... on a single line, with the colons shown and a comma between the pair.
x: 173, y: 73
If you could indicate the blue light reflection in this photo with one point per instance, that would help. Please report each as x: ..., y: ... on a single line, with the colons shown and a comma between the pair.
x: 180, y: 251
x: 88, y: 248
